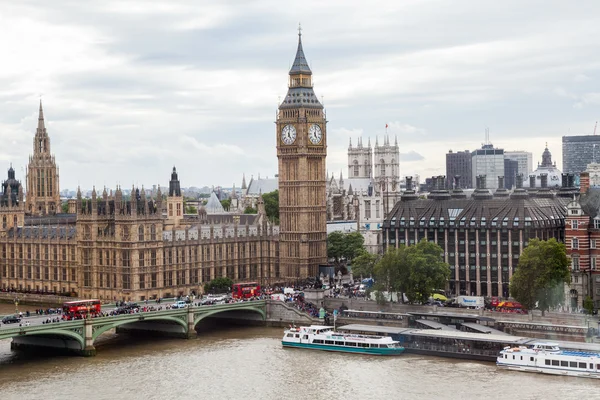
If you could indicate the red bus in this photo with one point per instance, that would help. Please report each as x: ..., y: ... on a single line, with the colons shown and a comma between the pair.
x: 245, y: 290
x: 81, y: 308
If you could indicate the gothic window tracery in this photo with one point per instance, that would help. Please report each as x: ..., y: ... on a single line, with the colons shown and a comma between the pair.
x: 356, y: 172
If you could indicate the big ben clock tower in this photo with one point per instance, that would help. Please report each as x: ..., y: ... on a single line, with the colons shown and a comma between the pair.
x: 301, y: 150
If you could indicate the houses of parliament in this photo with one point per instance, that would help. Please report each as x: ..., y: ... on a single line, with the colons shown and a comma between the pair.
x: 138, y: 247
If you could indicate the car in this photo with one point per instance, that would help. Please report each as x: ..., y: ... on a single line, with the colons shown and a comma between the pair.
x: 179, y: 304
x: 11, y: 319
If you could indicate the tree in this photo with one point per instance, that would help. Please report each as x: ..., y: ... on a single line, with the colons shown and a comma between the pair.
x: 191, y: 210
x: 588, y: 305
x: 344, y: 247
x: 271, y: 200
x: 250, y: 210
x: 542, y: 271
x: 226, y: 204
x: 65, y: 207
x: 363, y: 264
x: 414, y: 271
x: 218, y: 285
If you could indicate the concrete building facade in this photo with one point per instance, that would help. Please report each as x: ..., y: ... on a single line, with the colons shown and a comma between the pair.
x: 459, y: 164
x: 487, y: 161
x: 579, y: 151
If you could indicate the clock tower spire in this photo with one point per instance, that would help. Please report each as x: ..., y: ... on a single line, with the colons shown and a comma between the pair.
x: 302, y: 151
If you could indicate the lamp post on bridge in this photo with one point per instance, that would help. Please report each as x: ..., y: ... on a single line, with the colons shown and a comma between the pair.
x: 16, y: 301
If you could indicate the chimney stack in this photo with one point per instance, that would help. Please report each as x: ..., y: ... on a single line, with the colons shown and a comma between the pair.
x: 544, y: 179
x: 519, y: 180
x: 409, y: 183
x: 500, y: 182
x: 532, y: 181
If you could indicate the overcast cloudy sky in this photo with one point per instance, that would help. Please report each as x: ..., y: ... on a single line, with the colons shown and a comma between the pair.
x: 131, y: 88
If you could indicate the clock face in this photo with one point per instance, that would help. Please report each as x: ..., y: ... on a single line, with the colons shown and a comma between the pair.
x: 288, y: 134
x: 315, y: 134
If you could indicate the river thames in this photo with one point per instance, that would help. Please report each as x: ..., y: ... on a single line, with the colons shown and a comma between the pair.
x: 227, y: 362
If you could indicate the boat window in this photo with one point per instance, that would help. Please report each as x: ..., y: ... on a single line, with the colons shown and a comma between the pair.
x: 597, y: 366
x: 351, y: 344
x: 591, y: 366
x: 547, y: 362
x: 305, y: 337
x: 531, y: 359
x: 318, y: 341
x: 329, y: 342
x: 521, y: 358
x: 573, y: 364
x: 297, y: 335
x: 555, y: 363
x: 505, y: 356
x: 513, y: 356
x: 289, y: 335
x: 564, y: 363
x: 582, y: 365
x: 339, y: 343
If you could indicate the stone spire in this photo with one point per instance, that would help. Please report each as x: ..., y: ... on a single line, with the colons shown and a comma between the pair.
x: 244, y: 186
x: 41, y: 125
x: 300, y: 65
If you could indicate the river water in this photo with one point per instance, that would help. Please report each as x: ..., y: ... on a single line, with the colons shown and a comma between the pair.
x: 227, y: 362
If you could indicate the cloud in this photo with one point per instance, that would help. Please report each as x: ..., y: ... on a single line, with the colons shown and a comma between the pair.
x: 411, y: 156
x: 131, y: 88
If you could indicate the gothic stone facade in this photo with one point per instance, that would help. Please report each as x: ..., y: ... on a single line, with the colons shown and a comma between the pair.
x: 114, y: 248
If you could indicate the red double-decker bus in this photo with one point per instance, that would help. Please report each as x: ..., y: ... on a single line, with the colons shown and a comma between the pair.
x: 81, y: 308
x: 245, y: 290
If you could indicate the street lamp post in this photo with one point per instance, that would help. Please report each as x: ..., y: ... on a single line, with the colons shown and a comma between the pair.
x: 16, y: 305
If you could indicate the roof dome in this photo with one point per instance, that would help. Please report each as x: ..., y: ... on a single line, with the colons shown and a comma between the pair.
x: 546, y: 167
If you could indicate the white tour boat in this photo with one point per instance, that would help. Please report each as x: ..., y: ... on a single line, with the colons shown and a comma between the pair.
x: 326, y: 338
x: 548, y: 358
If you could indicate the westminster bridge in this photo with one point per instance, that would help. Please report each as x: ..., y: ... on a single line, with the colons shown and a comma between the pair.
x: 79, y: 336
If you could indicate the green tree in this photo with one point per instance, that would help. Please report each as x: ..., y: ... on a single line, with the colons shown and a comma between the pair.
x: 541, y: 274
x: 271, y: 200
x: 226, y: 204
x: 191, y: 210
x: 588, y: 304
x: 218, y: 285
x: 250, y: 210
x: 344, y: 247
x: 65, y: 207
x: 363, y: 265
x: 414, y: 271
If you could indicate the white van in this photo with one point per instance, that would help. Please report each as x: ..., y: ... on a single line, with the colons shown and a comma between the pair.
x: 179, y: 304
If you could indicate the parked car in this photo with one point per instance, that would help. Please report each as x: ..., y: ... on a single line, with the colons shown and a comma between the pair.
x: 11, y: 319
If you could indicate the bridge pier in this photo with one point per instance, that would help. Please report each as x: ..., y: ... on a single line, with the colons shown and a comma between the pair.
x: 88, y: 350
x: 191, y: 327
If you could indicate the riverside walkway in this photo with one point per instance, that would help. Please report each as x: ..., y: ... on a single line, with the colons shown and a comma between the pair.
x: 79, y: 335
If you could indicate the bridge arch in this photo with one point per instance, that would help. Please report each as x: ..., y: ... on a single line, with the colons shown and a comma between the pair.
x: 113, y: 323
x: 200, y: 316
x: 61, y: 333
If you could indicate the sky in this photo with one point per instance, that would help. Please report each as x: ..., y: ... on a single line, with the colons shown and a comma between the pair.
x: 132, y: 88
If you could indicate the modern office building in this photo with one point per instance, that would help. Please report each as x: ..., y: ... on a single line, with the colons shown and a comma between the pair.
x: 482, y: 237
x: 579, y: 151
x: 459, y: 163
x: 487, y: 161
x: 511, y: 169
x: 524, y: 159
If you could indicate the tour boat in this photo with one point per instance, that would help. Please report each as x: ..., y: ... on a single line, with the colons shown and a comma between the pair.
x: 326, y: 338
x: 548, y: 358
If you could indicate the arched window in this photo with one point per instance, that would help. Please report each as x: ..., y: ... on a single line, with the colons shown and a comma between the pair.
x: 382, y: 166
x: 393, y: 163
x: 356, y: 172
x: 152, y: 232
x: 15, y: 221
x: 4, y: 221
x: 141, y: 233
x: 367, y: 169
